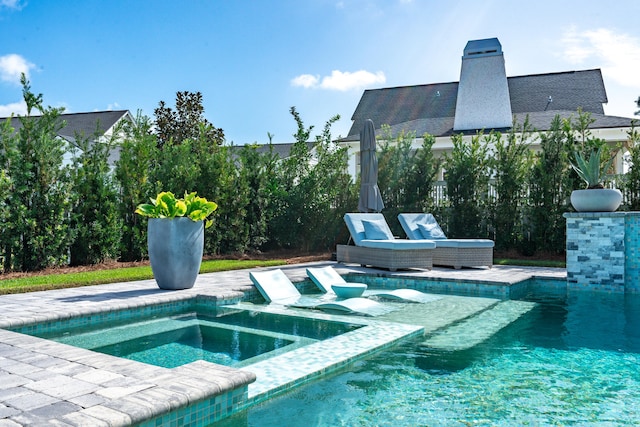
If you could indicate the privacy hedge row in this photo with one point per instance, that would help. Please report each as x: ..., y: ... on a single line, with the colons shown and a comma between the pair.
x: 83, y: 213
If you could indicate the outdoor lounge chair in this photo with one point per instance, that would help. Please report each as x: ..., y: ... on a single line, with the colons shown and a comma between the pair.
x: 376, y: 246
x: 326, y: 277
x: 275, y: 287
x: 456, y: 253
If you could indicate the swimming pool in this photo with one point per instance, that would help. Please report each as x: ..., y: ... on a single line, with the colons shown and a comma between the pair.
x: 573, y: 359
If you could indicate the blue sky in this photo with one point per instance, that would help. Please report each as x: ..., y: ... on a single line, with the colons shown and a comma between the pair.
x: 253, y: 60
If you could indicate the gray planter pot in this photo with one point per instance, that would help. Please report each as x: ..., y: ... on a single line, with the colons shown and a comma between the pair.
x: 596, y: 200
x: 175, y: 251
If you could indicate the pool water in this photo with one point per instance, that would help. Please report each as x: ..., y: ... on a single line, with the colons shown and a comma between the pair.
x: 165, y: 345
x: 232, y: 338
x: 571, y: 360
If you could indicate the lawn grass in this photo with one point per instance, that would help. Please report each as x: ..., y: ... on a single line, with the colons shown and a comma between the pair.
x: 530, y: 262
x: 129, y: 274
x: 96, y: 277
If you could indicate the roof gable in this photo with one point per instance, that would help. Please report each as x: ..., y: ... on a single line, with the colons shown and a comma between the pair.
x: 568, y: 91
x: 401, y: 104
x: 85, y: 124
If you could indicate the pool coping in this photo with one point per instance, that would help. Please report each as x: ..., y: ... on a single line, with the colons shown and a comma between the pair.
x: 48, y: 383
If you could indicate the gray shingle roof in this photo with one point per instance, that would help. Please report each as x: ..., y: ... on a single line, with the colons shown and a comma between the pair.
x: 569, y: 90
x: 431, y: 107
x: 281, y: 149
x: 539, y: 121
x: 82, y: 123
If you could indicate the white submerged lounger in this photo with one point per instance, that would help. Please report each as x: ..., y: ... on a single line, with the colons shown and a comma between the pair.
x: 276, y: 288
x: 326, y: 278
x: 456, y: 253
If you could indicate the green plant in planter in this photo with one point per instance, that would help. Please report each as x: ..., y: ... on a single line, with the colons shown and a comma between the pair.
x: 166, y: 205
x: 592, y: 170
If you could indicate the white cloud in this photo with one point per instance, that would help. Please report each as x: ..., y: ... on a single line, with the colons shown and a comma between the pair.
x: 341, y: 81
x: 305, y: 80
x: 12, y: 66
x: 617, y: 54
x: 11, y: 4
x: 13, y: 108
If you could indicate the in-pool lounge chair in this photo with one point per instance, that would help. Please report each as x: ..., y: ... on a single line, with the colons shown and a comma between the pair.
x: 376, y: 246
x: 455, y: 253
x: 275, y: 287
x: 326, y: 277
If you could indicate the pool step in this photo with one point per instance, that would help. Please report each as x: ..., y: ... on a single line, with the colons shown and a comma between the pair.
x: 479, y: 328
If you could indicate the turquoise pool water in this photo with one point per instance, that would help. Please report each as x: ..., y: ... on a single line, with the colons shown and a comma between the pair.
x: 230, y: 338
x: 571, y: 360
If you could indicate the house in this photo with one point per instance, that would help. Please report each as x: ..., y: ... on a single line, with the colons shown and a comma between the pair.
x: 106, y: 122
x: 89, y: 125
x: 485, y: 99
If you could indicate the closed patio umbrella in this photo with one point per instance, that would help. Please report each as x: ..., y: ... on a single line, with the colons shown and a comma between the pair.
x: 370, y: 198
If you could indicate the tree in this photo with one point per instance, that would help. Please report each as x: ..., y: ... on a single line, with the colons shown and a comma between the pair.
x: 631, y: 187
x: 330, y: 192
x: 286, y: 224
x: 138, y: 155
x: 423, y: 175
x: 467, y: 185
x: 256, y: 171
x: 406, y: 176
x: 309, y: 192
x: 396, y: 159
x: 38, y: 199
x: 185, y: 122
x: 7, y: 148
x: 511, y: 164
x: 550, y: 186
x: 222, y: 181
x: 96, y: 224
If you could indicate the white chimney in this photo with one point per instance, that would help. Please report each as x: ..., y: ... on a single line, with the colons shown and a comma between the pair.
x: 483, y: 93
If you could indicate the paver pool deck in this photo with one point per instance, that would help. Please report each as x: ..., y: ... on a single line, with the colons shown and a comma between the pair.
x: 47, y: 383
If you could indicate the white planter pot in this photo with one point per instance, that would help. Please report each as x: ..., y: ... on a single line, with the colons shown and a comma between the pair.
x: 175, y: 251
x: 596, y: 200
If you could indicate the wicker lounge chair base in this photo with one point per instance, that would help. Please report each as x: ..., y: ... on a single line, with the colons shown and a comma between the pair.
x: 463, y: 257
x: 456, y: 253
x: 391, y: 259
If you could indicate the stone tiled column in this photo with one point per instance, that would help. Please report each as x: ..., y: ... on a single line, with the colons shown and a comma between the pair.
x: 603, y: 251
x: 632, y: 252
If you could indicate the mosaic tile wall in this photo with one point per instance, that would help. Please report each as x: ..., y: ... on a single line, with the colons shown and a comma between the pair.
x: 203, y: 413
x: 602, y: 251
x: 448, y: 286
x: 109, y: 318
x: 632, y: 252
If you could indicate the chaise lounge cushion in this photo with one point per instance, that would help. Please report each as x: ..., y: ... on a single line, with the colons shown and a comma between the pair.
x: 397, y: 244
x: 356, y: 223
x: 413, y: 223
x: 376, y: 230
x: 431, y: 231
x: 454, y: 252
x: 464, y: 243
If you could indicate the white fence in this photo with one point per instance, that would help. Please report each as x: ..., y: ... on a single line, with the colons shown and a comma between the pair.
x: 439, y: 191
